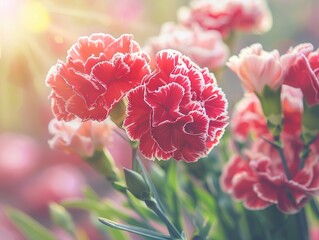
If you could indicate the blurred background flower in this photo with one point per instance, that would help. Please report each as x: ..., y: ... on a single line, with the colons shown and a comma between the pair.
x: 35, y: 33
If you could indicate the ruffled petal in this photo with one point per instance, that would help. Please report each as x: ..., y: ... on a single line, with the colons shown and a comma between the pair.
x: 137, y: 121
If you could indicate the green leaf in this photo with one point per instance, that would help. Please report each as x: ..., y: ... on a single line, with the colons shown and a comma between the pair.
x: 172, y: 194
x: 205, y: 199
x: 90, y: 194
x: 118, y: 186
x: 137, y: 230
x: 111, y: 233
x: 105, y: 208
x: 28, y: 226
x: 202, y: 225
x: 99, y: 208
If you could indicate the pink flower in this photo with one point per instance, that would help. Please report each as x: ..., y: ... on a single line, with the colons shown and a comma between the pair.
x: 227, y: 15
x: 205, y: 48
x: 53, y: 184
x: 248, y: 118
x: 20, y: 155
x: 179, y: 113
x: 292, y: 105
x: 257, y: 178
x: 98, y: 73
x: 257, y: 68
x: 303, y: 71
x: 81, y: 138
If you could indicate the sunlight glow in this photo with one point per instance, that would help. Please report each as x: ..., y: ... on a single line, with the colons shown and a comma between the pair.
x: 34, y: 17
x: 19, y: 19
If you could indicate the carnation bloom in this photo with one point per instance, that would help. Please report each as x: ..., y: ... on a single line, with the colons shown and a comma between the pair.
x: 98, y: 73
x: 248, y: 118
x: 258, y: 179
x: 81, y: 138
x: 179, y: 112
x: 227, y: 15
x: 257, y: 68
x: 205, y: 48
x: 303, y: 71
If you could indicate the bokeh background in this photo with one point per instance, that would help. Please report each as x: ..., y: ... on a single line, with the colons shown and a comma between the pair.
x: 34, y: 34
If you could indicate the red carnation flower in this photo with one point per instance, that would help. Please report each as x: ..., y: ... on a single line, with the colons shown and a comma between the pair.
x: 303, y: 71
x: 258, y: 178
x: 98, y: 73
x: 179, y: 112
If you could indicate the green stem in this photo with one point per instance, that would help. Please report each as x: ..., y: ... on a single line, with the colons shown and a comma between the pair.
x: 300, y: 217
x: 284, y: 163
x: 314, y: 207
x: 302, y: 224
x: 282, y: 157
x: 134, y: 159
x: 152, y: 204
x: 146, y: 222
x: 305, y: 152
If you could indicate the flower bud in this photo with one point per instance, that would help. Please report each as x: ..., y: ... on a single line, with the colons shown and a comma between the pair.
x: 102, y: 162
x: 61, y: 217
x: 136, y: 185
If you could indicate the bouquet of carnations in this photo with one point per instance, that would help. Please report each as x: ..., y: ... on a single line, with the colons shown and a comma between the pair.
x: 248, y: 171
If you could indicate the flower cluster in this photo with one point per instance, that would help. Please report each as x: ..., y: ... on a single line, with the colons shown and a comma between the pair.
x: 176, y: 111
x: 297, y: 68
x: 257, y: 177
x: 204, y: 26
x: 277, y: 169
x: 228, y: 15
x: 117, y: 104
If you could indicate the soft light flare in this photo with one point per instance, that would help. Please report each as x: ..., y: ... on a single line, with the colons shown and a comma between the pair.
x: 34, y: 17
x: 19, y: 19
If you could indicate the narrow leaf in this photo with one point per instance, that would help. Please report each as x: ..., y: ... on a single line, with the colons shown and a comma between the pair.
x: 172, y: 194
x: 90, y: 194
x: 137, y: 230
x: 28, y: 226
x: 103, y: 208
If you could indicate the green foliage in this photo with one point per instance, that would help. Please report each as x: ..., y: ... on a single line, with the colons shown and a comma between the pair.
x: 137, y: 230
x: 136, y: 185
x: 31, y: 229
x: 62, y: 218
